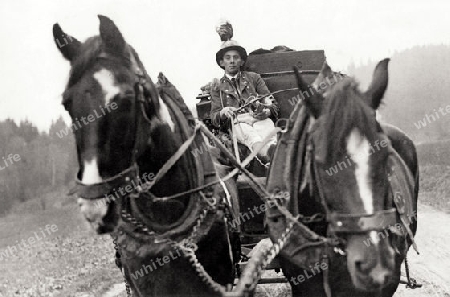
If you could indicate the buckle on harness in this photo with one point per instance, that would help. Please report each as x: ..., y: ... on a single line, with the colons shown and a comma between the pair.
x: 283, y: 124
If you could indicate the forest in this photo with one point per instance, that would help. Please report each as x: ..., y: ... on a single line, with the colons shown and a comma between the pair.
x: 46, y: 161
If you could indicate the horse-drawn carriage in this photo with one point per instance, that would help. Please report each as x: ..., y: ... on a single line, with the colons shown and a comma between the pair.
x: 170, y: 223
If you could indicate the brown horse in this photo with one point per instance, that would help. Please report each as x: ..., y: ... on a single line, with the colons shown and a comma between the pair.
x: 138, y: 178
x: 360, y: 177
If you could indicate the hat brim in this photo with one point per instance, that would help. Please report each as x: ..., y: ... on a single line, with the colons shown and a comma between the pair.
x: 239, y: 49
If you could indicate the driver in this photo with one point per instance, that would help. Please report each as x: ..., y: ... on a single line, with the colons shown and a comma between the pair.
x: 232, y: 95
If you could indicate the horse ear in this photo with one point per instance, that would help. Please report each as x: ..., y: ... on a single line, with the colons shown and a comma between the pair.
x: 111, y: 36
x: 67, y: 45
x: 379, y: 84
x: 323, y: 74
x: 326, y: 70
x: 313, y: 100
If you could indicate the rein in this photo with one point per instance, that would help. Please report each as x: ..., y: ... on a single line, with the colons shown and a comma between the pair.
x: 253, y: 99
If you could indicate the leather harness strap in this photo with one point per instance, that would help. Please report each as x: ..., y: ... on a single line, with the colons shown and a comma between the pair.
x: 402, y: 181
x: 361, y: 223
x: 101, y: 190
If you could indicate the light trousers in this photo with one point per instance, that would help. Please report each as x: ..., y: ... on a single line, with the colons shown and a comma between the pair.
x: 249, y: 135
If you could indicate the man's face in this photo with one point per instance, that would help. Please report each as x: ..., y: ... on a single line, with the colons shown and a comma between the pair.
x: 232, y: 62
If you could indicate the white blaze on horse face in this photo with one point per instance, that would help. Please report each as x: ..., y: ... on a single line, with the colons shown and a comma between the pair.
x: 91, y: 174
x: 378, y: 116
x: 106, y: 80
x: 165, y: 114
x: 358, y: 149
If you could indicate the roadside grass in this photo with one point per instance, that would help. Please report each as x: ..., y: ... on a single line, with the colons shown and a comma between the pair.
x: 435, y: 186
x: 434, y: 165
x: 436, y: 153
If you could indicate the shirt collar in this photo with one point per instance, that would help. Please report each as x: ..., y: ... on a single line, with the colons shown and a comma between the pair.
x: 230, y: 76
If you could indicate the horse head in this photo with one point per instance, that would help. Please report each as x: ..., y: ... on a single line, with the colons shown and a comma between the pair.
x: 350, y: 165
x: 119, y: 121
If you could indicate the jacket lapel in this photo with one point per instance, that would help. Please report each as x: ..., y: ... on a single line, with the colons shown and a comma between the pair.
x: 227, y: 88
x: 243, y: 82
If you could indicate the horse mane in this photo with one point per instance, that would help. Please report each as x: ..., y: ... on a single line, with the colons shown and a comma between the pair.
x: 166, y: 87
x: 344, y: 109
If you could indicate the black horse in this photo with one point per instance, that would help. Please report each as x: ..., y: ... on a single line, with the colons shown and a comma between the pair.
x: 353, y: 183
x: 138, y: 178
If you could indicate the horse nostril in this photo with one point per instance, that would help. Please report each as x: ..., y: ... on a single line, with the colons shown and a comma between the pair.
x: 386, y: 278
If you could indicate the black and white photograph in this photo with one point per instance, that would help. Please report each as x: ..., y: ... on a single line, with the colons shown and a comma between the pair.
x: 224, y: 148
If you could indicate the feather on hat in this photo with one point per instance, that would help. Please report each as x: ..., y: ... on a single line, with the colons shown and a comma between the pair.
x: 225, y: 31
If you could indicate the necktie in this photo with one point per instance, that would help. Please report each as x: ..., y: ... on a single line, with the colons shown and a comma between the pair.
x: 234, y: 83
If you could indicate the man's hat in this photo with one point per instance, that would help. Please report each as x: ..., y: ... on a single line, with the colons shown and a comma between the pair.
x: 228, y: 46
x: 225, y: 31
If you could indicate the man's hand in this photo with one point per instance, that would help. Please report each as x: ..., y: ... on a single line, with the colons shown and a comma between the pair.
x: 264, y: 114
x: 227, y: 112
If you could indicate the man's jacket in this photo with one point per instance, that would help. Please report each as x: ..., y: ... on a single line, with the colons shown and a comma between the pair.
x: 224, y: 94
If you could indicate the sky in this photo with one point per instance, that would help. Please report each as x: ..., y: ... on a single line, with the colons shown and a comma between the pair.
x: 179, y: 39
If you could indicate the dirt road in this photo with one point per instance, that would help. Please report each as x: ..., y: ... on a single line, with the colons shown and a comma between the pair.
x: 431, y: 268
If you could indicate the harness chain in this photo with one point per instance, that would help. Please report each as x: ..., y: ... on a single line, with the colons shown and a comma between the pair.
x: 254, y: 269
x: 183, y: 246
x: 119, y: 265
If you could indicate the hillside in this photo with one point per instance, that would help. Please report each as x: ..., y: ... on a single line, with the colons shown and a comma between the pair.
x: 417, y: 99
